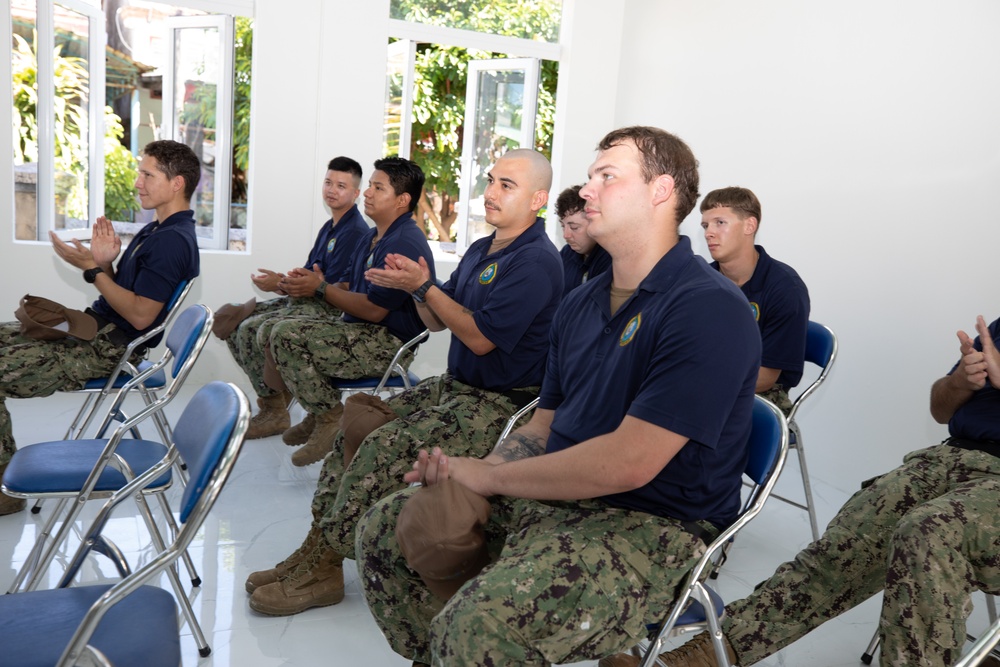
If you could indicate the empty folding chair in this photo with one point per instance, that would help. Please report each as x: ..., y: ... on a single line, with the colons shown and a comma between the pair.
x: 78, y: 470
x: 130, y: 622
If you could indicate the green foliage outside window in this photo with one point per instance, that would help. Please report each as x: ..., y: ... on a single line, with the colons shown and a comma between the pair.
x: 440, y: 84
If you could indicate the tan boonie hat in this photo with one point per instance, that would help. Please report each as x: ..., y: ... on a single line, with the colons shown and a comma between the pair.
x: 44, y: 319
x: 440, y: 533
x: 363, y: 413
x: 229, y: 316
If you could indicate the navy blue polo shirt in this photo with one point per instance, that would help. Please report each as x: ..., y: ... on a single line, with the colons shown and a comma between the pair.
x: 513, y: 295
x: 335, y: 244
x: 578, y: 269
x: 158, y: 258
x: 979, y: 417
x: 403, y: 237
x: 779, y: 301
x: 682, y: 353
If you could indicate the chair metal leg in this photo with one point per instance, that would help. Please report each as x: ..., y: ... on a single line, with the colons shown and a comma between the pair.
x: 31, y: 563
x: 869, y: 653
x: 806, y: 486
x: 154, y: 532
x: 188, y: 563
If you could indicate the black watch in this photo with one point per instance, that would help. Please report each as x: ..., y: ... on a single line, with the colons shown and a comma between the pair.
x: 421, y: 292
x: 90, y: 275
x: 321, y: 290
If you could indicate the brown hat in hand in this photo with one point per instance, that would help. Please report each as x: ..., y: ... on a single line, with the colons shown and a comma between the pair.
x: 44, y: 319
x: 229, y: 316
x: 363, y: 413
x: 440, y: 533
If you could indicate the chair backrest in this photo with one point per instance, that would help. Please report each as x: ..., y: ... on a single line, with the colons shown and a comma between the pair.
x: 188, y: 335
x: 213, y: 425
x: 821, y: 350
x: 152, y: 337
x: 185, y: 341
x: 982, y: 647
x: 512, y: 422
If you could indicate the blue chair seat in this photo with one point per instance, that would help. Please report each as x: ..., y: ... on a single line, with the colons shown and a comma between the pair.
x: 157, y: 380
x: 62, y: 466
x: 124, y: 634
x: 394, y: 382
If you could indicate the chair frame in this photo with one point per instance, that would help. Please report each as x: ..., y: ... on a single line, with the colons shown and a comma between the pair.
x: 681, y: 620
x: 395, y: 369
x: 41, y: 557
x: 96, y: 397
x: 193, y: 516
x: 822, y: 354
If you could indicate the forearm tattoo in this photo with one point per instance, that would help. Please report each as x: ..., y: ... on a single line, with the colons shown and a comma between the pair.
x: 517, y: 446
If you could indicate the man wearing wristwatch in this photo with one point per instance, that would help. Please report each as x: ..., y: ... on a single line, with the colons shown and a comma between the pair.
x: 498, y: 305
x: 301, y: 295
x: 133, y: 295
x: 375, y: 321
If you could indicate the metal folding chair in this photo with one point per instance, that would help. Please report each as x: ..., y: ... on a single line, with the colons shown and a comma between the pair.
x: 81, y: 470
x: 394, y: 380
x: 131, y: 623
x: 699, y: 607
x: 821, y: 350
x: 99, y: 389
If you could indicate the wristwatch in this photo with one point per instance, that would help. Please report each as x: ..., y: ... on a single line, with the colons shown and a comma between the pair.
x: 321, y: 290
x: 421, y: 292
x: 90, y: 275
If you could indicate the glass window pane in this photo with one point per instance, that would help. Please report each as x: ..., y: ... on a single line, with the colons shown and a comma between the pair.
x: 24, y: 15
x: 71, y: 146
x: 196, y: 76
x: 499, y: 104
x: 537, y: 20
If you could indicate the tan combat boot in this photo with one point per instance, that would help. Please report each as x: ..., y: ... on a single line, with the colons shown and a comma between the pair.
x: 265, y: 577
x: 272, y: 418
x: 317, y: 581
x: 696, y: 653
x: 321, y: 439
x: 299, y: 434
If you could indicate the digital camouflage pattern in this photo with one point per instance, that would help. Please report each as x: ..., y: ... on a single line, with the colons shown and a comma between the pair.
x: 308, y: 352
x: 568, y: 582
x: 247, y: 342
x: 928, y: 531
x: 31, y: 368
x: 440, y: 411
x: 779, y: 397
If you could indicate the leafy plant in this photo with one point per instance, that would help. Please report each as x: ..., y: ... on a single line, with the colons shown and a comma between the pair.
x: 120, y: 171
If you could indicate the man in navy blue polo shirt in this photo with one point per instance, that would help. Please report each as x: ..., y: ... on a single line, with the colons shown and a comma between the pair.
x: 308, y: 352
x: 498, y: 305
x: 633, y: 457
x: 778, y: 298
x: 133, y: 295
x: 329, y: 261
x: 582, y: 257
x: 925, y: 533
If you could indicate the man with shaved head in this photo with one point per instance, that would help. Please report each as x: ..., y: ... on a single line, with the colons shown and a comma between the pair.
x: 498, y: 305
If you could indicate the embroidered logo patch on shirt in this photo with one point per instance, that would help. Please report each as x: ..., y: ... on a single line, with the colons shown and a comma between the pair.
x: 329, y: 246
x: 629, y: 333
x: 488, y: 274
x: 755, y: 309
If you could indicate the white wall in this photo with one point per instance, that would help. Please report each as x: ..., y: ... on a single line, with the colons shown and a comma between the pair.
x: 869, y: 131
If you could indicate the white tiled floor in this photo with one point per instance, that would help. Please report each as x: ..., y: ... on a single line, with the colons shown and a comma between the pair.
x: 263, y: 515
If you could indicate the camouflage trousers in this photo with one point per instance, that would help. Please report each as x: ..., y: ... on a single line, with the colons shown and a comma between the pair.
x: 310, y: 352
x: 247, y: 342
x: 31, y: 368
x: 779, y: 397
x: 440, y: 411
x: 567, y: 582
x: 928, y: 533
